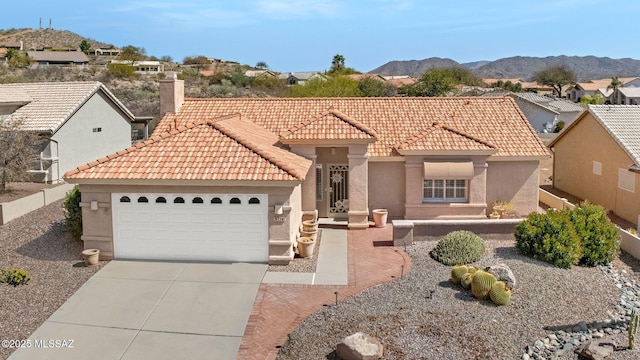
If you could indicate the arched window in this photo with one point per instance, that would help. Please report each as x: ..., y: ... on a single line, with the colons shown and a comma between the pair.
x: 161, y: 200
x: 235, y: 200
x: 254, y: 201
x: 143, y: 199
x: 216, y: 200
x: 197, y: 200
x: 125, y: 199
x: 178, y: 200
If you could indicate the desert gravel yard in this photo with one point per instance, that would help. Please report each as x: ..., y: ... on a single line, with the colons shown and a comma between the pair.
x: 40, y: 244
x: 413, y: 323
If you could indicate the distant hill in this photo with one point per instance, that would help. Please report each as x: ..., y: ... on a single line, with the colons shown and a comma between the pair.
x: 585, y: 67
x: 40, y: 38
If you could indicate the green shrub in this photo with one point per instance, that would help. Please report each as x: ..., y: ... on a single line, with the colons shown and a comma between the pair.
x: 459, y: 247
x: 14, y: 276
x: 549, y: 237
x: 598, y: 236
x: 73, y: 212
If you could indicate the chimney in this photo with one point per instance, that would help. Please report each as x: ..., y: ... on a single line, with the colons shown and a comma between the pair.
x: 171, y: 93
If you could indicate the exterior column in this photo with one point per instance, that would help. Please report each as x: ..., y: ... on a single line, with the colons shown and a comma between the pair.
x: 478, y: 184
x: 358, y: 187
x: 309, y: 183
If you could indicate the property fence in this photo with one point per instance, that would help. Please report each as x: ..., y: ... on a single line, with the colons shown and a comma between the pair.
x: 553, y: 201
x: 16, y: 208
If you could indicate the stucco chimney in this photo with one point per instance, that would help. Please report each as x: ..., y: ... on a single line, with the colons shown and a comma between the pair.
x: 171, y: 93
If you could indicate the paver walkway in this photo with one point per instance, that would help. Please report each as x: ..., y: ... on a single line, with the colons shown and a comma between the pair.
x: 280, y: 308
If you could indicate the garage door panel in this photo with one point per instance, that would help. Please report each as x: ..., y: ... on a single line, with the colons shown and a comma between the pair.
x: 191, y: 231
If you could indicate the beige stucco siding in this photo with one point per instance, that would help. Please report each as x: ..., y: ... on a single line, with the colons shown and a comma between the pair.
x: 98, y: 224
x: 573, y: 170
x: 386, y: 187
x: 77, y: 144
x: 516, y: 182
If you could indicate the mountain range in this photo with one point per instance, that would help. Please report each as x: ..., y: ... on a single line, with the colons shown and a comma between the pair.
x: 522, y: 67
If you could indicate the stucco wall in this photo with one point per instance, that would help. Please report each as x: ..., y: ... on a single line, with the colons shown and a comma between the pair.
x: 574, y: 155
x: 514, y: 181
x: 386, y: 187
x: 98, y: 228
x: 78, y: 144
x: 537, y: 115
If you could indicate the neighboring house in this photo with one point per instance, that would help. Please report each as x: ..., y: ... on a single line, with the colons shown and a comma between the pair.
x: 230, y: 179
x: 544, y: 112
x: 142, y: 67
x: 628, y: 96
x: 16, y: 45
x: 78, y: 121
x: 260, y: 73
x: 105, y: 51
x: 58, y: 58
x: 400, y: 80
x: 597, y: 158
x: 358, y: 77
x: 300, y: 78
x: 576, y: 92
x: 526, y: 85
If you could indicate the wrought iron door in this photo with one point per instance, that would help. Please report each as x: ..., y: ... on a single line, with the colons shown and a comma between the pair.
x: 338, y: 190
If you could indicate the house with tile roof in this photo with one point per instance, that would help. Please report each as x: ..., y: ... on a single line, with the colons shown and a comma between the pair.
x: 300, y: 78
x: 608, y: 173
x: 577, y: 91
x: 254, y: 167
x: 545, y: 112
x: 77, y: 121
x: 42, y: 59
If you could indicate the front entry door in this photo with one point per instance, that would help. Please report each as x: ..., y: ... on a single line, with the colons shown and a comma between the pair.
x: 338, y: 190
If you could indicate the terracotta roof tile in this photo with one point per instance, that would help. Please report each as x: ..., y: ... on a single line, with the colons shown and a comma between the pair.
x: 441, y: 137
x: 330, y: 124
x: 228, y: 148
x: 496, y: 120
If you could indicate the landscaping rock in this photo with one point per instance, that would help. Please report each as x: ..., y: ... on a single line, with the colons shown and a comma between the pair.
x: 359, y: 346
x: 596, y: 349
x: 502, y: 272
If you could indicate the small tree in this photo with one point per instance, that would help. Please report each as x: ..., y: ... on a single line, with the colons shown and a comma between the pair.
x: 85, y: 46
x: 556, y: 77
x: 73, y: 212
x: 262, y: 65
x: 337, y: 63
x: 17, y: 152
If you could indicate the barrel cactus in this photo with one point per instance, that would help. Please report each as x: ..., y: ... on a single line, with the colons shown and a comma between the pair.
x: 466, y: 280
x: 457, y: 272
x: 481, y: 284
x: 471, y: 269
x: 459, y: 247
x: 500, y: 293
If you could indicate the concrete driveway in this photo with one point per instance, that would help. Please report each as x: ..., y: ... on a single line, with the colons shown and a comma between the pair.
x: 152, y: 310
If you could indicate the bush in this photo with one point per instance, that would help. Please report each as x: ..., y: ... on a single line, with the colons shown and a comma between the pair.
x: 14, y: 276
x: 459, y: 247
x: 598, y: 236
x: 73, y: 212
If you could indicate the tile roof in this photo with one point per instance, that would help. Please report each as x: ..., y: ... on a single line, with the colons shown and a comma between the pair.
x: 496, y: 120
x: 330, y: 124
x: 632, y: 92
x: 444, y: 138
x: 557, y: 106
x: 59, y: 56
x: 53, y: 103
x: 622, y: 122
x: 14, y: 96
x: 227, y: 148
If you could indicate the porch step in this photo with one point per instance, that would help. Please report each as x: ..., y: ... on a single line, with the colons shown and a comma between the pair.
x: 280, y: 252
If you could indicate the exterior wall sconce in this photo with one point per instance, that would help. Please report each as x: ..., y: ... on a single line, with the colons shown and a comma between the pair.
x: 333, y: 151
x: 277, y: 209
x: 94, y: 205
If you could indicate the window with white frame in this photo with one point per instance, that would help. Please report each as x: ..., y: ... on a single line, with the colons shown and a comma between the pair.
x: 626, y: 180
x: 445, y: 190
x: 597, y: 168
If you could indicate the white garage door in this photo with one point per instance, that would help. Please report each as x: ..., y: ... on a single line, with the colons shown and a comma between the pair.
x: 201, y: 227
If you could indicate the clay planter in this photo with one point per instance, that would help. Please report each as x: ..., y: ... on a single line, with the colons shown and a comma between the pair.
x: 380, y: 217
x: 309, y: 225
x: 306, y: 246
x: 91, y: 256
x: 494, y: 216
x: 313, y: 234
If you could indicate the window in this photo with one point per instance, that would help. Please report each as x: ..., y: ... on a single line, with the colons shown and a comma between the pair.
x: 319, y: 183
x: 235, y: 200
x: 178, y: 200
x: 445, y: 190
x: 96, y: 130
x: 161, y: 200
x: 143, y: 199
x: 125, y: 199
x: 254, y: 201
x: 197, y: 200
x: 216, y: 200
x: 626, y: 180
x: 597, y: 168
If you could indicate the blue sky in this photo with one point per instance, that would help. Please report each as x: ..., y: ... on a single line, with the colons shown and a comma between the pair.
x: 304, y: 35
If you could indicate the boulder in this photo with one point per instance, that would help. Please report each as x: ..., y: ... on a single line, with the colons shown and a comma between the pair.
x: 503, y: 273
x: 597, y: 349
x: 359, y: 346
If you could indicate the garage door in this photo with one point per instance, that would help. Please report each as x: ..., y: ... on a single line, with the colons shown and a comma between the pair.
x: 201, y: 227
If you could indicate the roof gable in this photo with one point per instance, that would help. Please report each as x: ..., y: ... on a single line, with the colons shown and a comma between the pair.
x: 329, y: 125
x: 439, y: 137
x: 228, y: 148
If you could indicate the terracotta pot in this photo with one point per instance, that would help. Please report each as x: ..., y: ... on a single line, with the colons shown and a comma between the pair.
x: 493, y: 216
x: 313, y: 234
x: 306, y: 246
x: 380, y: 217
x: 309, y: 225
x: 91, y: 256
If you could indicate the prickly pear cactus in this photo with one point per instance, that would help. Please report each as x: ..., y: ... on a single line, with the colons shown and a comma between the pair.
x: 481, y: 284
x: 465, y: 281
x: 500, y: 293
x: 457, y: 272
